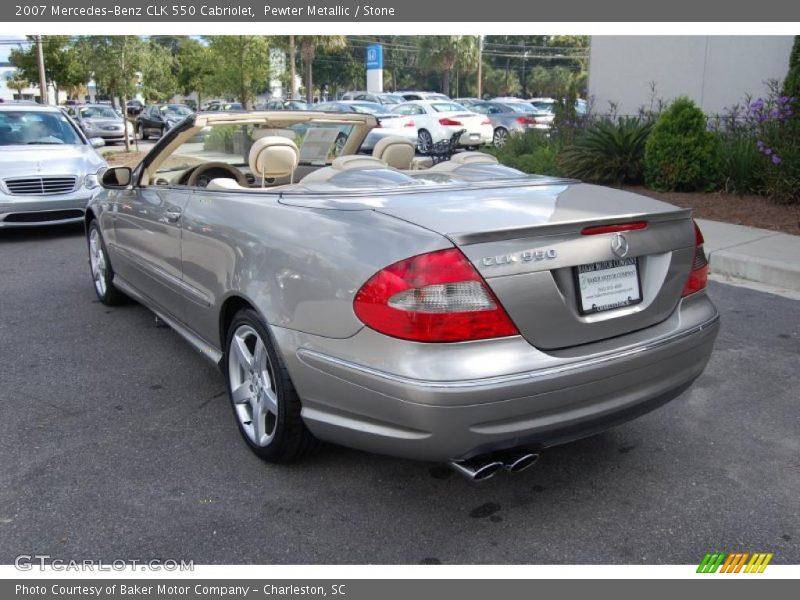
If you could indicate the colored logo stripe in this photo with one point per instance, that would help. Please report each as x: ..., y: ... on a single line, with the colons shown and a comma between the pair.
x: 733, y: 563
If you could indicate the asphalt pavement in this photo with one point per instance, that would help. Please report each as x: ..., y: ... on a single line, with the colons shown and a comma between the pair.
x: 117, y: 442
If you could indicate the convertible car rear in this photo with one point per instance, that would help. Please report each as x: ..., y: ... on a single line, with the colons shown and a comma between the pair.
x: 465, y: 313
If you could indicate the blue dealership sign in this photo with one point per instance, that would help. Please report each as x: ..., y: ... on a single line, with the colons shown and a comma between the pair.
x: 374, y: 57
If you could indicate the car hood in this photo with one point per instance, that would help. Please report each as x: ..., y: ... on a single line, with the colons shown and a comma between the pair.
x: 47, y: 159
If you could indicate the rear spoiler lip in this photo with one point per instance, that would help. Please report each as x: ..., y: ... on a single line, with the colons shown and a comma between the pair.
x: 557, y: 229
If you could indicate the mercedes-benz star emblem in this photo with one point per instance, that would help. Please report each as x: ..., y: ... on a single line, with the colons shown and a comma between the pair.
x: 619, y: 245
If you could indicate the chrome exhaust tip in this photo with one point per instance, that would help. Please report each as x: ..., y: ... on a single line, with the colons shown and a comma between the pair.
x: 477, y: 469
x: 517, y: 462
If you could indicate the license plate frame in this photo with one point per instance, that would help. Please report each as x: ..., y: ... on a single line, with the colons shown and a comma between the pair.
x: 586, y: 289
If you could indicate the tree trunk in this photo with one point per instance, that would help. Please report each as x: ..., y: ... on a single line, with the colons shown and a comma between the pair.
x: 125, y: 112
x: 293, y: 68
x: 309, y: 81
x: 446, y: 82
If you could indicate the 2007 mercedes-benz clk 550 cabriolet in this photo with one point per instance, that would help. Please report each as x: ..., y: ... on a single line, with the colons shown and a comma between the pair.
x: 465, y: 312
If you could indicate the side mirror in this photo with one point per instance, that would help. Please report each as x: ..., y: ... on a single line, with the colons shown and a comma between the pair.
x: 116, y: 178
x: 97, y: 142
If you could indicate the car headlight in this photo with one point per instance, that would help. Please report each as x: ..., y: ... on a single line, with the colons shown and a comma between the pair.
x: 92, y: 181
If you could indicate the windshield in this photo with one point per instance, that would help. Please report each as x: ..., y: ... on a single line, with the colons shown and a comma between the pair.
x: 392, y: 99
x: 98, y: 112
x: 21, y: 127
x: 175, y: 110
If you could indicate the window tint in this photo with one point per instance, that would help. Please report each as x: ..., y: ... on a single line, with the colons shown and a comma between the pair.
x: 447, y: 107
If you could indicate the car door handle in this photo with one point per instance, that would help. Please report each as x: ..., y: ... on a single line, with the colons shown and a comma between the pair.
x: 172, y: 214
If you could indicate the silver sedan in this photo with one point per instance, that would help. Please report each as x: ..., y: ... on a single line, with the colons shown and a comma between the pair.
x: 48, y: 169
x: 466, y: 313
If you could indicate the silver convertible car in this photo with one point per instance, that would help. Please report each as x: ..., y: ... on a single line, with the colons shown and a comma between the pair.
x: 466, y: 313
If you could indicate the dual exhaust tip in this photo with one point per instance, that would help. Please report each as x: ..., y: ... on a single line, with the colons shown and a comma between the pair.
x: 483, y: 467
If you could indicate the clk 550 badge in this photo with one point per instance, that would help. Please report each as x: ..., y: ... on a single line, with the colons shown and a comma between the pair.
x: 517, y: 257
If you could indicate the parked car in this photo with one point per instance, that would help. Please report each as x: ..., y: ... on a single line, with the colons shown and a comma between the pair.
x: 409, y: 96
x: 378, y: 97
x: 389, y: 124
x: 134, y: 107
x: 101, y: 120
x: 48, y: 168
x: 414, y: 95
x: 467, y: 102
x: 224, y: 107
x: 506, y: 119
x: 542, y: 111
x: 157, y: 119
x: 282, y: 104
x: 468, y: 313
x: 439, y: 120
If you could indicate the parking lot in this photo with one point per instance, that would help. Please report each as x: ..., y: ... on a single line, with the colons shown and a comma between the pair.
x: 118, y: 443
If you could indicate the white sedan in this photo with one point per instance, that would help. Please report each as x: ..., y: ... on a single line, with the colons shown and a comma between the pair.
x: 438, y: 120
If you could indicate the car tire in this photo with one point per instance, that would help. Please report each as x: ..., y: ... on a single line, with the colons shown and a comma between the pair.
x: 259, y: 386
x: 424, y: 140
x: 102, y: 273
x: 500, y: 136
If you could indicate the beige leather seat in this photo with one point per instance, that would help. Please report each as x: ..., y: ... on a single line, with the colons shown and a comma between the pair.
x: 345, y: 163
x: 395, y: 151
x: 270, y: 157
x: 465, y: 158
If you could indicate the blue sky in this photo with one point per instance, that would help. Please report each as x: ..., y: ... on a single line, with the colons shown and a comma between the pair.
x: 7, y: 44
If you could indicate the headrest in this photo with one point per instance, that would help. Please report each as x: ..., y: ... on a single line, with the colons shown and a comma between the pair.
x: 357, y: 161
x: 471, y: 158
x: 273, y: 156
x: 396, y: 151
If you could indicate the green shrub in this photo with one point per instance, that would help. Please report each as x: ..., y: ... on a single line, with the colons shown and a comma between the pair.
x: 532, y: 152
x: 740, y: 163
x: 681, y: 154
x: 608, y: 152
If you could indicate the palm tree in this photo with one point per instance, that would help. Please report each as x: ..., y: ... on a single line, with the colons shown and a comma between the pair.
x: 309, y: 44
x: 443, y: 53
x: 18, y: 82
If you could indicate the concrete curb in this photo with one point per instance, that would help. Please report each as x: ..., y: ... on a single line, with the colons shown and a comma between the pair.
x: 757, y: 255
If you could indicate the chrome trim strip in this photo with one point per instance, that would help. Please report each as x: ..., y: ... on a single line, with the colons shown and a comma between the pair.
x: 155, y: 272
x: 530, y: 375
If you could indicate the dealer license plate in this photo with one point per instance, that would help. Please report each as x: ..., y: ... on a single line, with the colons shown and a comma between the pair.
x: 608, y: 285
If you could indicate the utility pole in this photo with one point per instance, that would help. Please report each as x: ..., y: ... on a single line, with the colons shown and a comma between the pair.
x: 480, y: 67
x: 43, y: 95
x: 293, y: 68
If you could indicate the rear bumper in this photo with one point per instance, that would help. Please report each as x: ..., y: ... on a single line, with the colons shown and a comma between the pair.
x: 348, y: 403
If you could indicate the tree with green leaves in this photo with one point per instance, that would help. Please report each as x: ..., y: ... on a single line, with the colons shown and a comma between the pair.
x: 17, y: 82
x: 195, y: 68
x: 309, y: 45
x: 444, y: 53
x: 791, y: 85
x: 116, y: 61
x: 158, y: 79
x: 63, y: 68
x: 241, y: 66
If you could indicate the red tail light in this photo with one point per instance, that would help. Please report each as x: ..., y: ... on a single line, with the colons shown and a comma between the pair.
x: 526, y: 120
x: 486, y: 122
x: 698, y: 277
x: 434, y: 297
x: 410, y: 124
x: 615, y: 228
x: 449, y: 122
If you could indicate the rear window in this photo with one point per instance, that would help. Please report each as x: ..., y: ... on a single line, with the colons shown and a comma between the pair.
x: 447, y: 107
